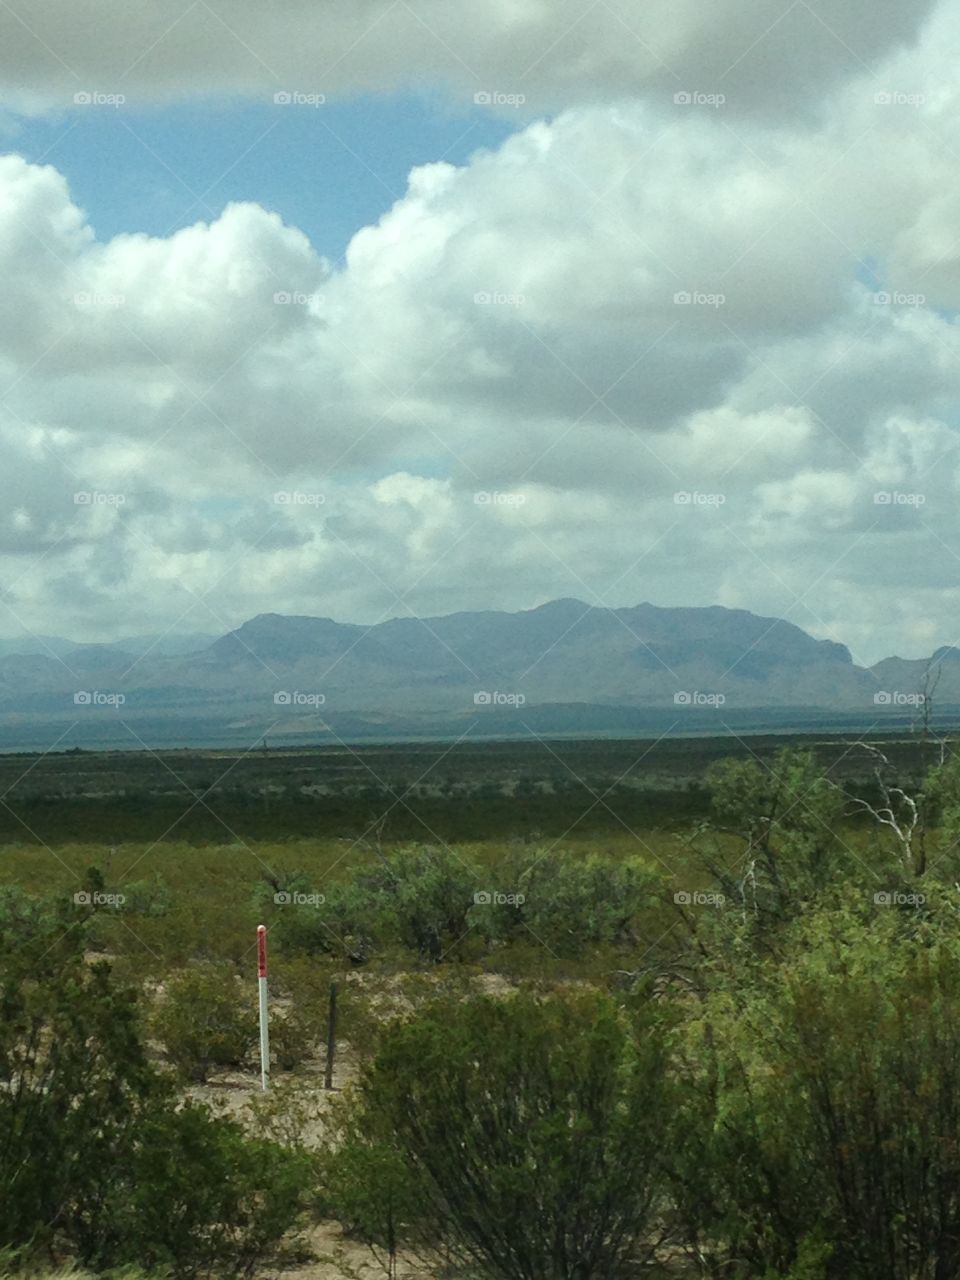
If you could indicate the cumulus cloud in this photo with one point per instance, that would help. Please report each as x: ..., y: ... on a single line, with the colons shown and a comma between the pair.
x: 646, y: 349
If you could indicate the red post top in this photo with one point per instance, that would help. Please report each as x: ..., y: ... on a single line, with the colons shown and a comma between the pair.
x: 262, y: 950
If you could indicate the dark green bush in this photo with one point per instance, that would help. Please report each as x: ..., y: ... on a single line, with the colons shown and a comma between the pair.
x: 532, y: 1132
x: 566, y: 904
x: 206, y: 1018
x: 202, y: 1198
x: 99, y: 1162
x: 417, y: 898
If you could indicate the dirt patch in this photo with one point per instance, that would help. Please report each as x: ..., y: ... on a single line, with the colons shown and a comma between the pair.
x: 338, y: 1258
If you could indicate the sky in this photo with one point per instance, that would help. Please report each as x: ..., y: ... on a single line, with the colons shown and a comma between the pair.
x: 400, y: 307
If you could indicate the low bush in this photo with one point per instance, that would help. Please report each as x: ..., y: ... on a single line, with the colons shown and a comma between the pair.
x: 206, y: 1019
x: 100, y: 1163
x: 522, y: 1136
x: 565, y: 904
x: 418, y: 898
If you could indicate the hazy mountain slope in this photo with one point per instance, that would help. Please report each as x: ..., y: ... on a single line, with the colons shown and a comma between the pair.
x: 592, y: 666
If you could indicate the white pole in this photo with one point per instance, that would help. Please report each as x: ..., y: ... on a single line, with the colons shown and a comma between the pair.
x: 262, y: 983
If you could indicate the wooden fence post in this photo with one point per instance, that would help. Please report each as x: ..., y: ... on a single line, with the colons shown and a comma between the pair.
x: 331, y: 1037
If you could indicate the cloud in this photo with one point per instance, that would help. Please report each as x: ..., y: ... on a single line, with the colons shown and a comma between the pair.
x: 775, y: 57
x: 643, y: 350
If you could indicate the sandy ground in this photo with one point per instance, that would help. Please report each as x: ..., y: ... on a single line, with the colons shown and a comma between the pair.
x: 340, y: 1259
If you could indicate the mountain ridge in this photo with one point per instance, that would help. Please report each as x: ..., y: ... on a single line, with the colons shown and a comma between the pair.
x: 296, y: 674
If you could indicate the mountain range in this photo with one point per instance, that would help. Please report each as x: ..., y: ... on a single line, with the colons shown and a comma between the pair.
x: 564, y: 667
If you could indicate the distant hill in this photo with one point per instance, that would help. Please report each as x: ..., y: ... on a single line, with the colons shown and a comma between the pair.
x: 160, y: 644
x: 563, y: 667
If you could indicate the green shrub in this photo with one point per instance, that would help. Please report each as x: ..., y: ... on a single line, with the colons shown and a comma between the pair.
x: 370, y: 1189
x: 146, y: 898
x: 566, y: 904
x: 73, y: 1080
x: 201, y: 1198
x: 418, y: 898
x: 423, y: 898
x: 532, y: 1132
x: 787, y: 816
x: 206, y: 1018
x: 99, y: 1161
x: 829, y: 1103
x: 301, y: 920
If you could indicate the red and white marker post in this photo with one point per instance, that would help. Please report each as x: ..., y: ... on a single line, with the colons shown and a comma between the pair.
x: 264, y: 1026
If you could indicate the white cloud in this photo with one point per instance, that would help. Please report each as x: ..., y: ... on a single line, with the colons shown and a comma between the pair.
x: 633, y: 301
